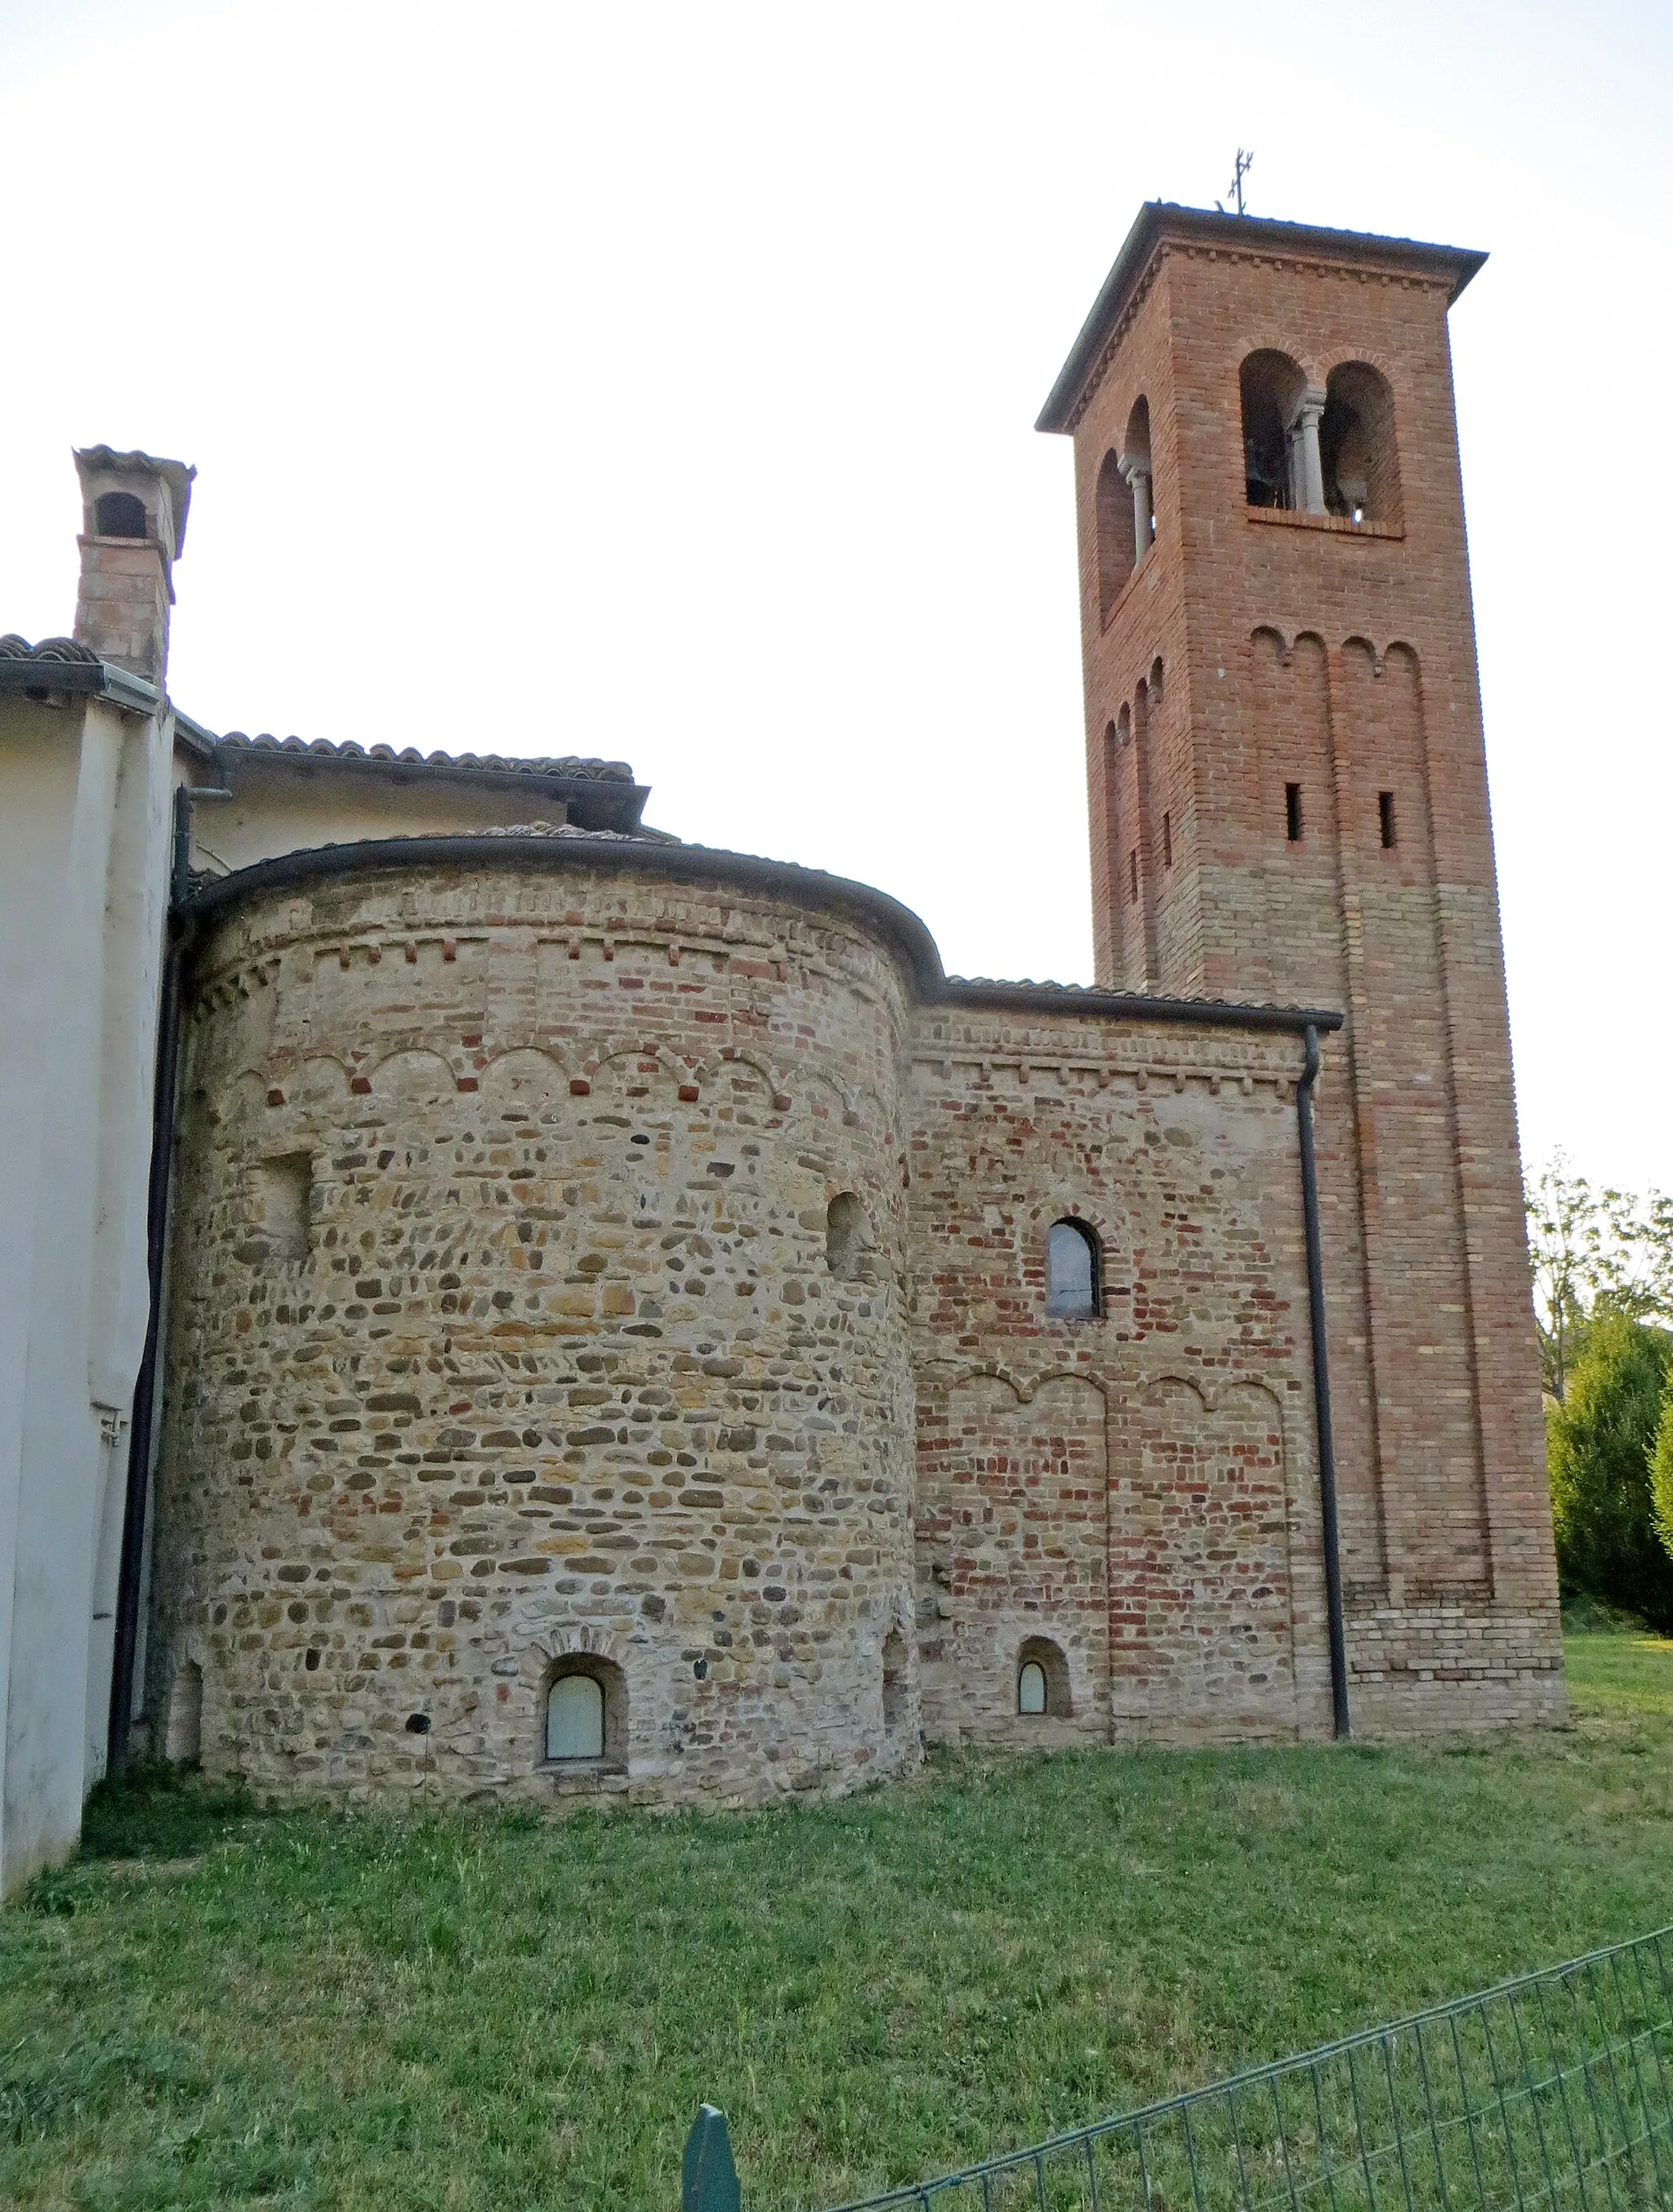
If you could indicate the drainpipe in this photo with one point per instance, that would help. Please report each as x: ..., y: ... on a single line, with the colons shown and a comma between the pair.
x: 142, y: 1425
x: 1327, y: 1456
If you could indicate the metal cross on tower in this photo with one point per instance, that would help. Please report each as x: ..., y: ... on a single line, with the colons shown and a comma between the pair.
x: 1244, y: 163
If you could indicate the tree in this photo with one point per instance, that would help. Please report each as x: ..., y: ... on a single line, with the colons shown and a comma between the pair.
x: 1593, y: 1252
x: 1600, y: 1439
x: 1564, y: 1238
x: 1654, y: 1238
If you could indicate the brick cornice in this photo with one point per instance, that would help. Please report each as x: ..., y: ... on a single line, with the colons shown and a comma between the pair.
x: 1112, y: 346
x: 1288, y: 263
x: 1304, y: 248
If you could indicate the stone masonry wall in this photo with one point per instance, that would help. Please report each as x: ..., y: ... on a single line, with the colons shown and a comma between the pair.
x: 503, y: 1330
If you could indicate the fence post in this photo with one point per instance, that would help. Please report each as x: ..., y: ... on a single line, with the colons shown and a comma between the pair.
x: 708, y: 2179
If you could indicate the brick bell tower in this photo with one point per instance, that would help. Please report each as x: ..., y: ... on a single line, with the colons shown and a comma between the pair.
x: 1288, y: 803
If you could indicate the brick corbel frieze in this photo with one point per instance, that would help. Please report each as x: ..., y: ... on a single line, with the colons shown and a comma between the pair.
x: 1296, y: 263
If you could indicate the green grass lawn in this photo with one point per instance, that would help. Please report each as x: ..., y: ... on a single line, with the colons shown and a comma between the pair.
x: 220, y: 2007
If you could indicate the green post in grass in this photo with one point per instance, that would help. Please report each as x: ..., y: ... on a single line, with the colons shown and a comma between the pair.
x: 708, y: 2179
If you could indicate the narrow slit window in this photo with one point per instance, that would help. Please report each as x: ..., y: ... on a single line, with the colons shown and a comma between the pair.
x: 1133, y: 876
x: 1385, y: 818
x: 1167, y: 841
x: 1292, y: 812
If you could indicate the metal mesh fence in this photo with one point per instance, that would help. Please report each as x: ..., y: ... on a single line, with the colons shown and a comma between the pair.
x: 1550, y: 2094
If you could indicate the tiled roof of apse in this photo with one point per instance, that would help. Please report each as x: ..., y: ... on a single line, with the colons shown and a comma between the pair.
x: 567, y: 765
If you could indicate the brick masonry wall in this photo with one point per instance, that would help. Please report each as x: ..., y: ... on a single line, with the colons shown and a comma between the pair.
x: 560, y: 1366
x: 1140, y: 1488
x: 122, y: 603
x: 1298, y: 649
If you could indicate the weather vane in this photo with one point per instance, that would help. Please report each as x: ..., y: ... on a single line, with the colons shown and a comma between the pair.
x: 1245, y: 162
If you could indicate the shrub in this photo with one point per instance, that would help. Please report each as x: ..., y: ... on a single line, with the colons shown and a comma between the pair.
x: 1600, y: 1441
x: 1661, y: 1467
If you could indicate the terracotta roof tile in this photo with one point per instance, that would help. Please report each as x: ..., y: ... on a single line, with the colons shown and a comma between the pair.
x: 57, y: 649
x: 565, y: 764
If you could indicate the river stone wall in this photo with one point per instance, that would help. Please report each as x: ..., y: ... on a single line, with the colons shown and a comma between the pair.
x: 505, y: 1331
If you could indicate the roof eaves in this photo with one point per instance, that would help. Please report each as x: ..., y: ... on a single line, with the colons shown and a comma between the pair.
x: 810, y: 887
x: 195, y: 738
x: 573, y: 767
x: 604, y: 788
x: 61, y: 665
x: 978, y: 993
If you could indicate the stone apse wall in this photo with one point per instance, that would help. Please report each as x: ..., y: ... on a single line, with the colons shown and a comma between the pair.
x: 504, y: 1329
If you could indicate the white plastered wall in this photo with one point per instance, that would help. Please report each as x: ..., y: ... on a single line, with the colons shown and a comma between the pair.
x: 286, y: 803
x: 84, y: 855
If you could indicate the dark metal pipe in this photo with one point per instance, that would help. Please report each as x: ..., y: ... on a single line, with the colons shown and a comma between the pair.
x: 143, y: 1421
x: 1327, y: 1455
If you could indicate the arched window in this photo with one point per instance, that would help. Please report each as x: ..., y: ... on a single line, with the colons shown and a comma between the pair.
x: 584, y: 1713
x: 1156, y: 681
x: 183, y: 1740
x: 574, y: 1718
x: 118, y: 514
x: 1042, y: 1680
x: 847, y: 1238
x: 1072, y: 1270
x: 1271, y: 386
x: 1356, y: 448
x: 1135, y: 467
x: 1118, y: 548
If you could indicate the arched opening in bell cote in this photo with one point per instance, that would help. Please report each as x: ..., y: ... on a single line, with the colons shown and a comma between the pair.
x: 1270, y: 385
x: 1356, y: 446
x: 1117, y: 547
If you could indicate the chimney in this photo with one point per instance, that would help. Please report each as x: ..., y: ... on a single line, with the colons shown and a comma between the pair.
x: 133, y: 531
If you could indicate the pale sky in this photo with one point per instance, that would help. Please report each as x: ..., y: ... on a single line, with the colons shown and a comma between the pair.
x: 657, y: 381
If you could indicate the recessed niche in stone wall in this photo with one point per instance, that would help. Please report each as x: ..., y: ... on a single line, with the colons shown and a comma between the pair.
x: 284, y: 1190
x: 183, y: 1740
x: 848, y: 1237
